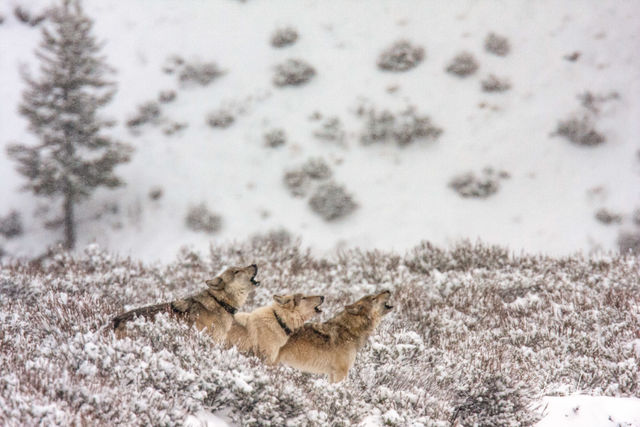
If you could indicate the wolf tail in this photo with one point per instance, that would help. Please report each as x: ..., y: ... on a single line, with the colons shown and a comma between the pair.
x: 148, y: 312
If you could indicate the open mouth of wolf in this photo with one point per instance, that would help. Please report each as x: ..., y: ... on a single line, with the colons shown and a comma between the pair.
x: 388, y: 306
x: 317, y: 309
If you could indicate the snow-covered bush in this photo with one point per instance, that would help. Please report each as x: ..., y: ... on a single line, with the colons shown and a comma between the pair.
x: 580, y: 130
x: 495, y: 84
x: 293, y: 72
x: 285, y: 36
x: 607, y: 217
x: 426, y: 257
x: 156, y: 193
x: 492, y: 399
x: 149, y: 112
x: 199, y: 73
x: 200, y: 218
x: 635, y: 217
x: 172, y: 128
x: 221, y: 118
x: 317, y: 168
x: 401, y: 56
x: 24, y: 16
x: 331, y: 201
x: 299, y: 181
x: 462, y: 65
x: 11, y: 225
x: 474, y: 322
x: 593, y: 102
x: 331, y: 129
x: 403, y: 128
x: 275, y: 138
x: 481, y: 186
x: 278, y: 238
x: 167, y: 96
x: 496, y: 44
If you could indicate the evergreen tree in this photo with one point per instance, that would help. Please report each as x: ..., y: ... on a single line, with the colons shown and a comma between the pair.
x: 72, y: 157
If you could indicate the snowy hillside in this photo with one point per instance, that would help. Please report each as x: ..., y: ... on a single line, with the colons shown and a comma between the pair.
x: 564, y: 60
x: 475, y: 335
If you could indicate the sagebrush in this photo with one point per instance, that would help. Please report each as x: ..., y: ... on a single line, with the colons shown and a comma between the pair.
x: 476, y: 331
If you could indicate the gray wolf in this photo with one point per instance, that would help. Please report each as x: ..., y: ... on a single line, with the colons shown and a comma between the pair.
x: 211, y: 310
x: 264, y: 330
x: 330, y: 347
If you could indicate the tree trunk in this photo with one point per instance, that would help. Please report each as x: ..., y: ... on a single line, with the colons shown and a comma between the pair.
x: 69, y: 226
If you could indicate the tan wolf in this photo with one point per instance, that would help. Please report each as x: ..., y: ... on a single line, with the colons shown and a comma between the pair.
x: 264, y: 330
x: 211, y: 309
x: 330, y: 347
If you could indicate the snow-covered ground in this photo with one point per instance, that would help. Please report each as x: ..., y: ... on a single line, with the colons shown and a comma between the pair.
x: 591, y: 411
x: 547, y: 205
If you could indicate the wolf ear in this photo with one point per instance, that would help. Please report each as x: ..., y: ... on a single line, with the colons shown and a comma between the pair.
x: 284, y: 301
x: 354, y: 309
x: 216, y: 284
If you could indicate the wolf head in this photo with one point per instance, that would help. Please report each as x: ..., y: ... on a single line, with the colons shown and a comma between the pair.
x: 303, y: 305
x: 372, y: 307
x: 235, y: 283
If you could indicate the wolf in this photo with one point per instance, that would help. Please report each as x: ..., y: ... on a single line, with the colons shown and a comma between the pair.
x: 264, y: 330
x: 211, y: 310
x: 330, y: 347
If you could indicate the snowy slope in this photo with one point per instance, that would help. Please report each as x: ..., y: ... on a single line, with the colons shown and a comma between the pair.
x: 547, y: 205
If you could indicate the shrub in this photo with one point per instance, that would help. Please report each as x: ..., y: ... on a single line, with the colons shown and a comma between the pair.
x: 275, y: 138
x: 331, y: 130
x: 403, y: 128
x: 199, y: 218
x: 580, y: 131
x: 156, y: 193
x: 172, y: 128
x: 606, y: 217
x: 11, y: 225
x: 464, y: 64
x: 401, y: 56
x: 220, y: 119
x: 635, y: 217
x: 22, y: 14
x: 276, y: 239
x: 297, y: 182
x: 317, y: 168
x: 410, y: 127
x: 167, y: 96
x: 494, y: 400
x: 470, y: 185
x: 293, y: 72
x: 592, y: 102
x: 332, y: 202
x: 26, y: 17
x: 538, y: 325
x: 149, y: 112
x: 495, y: 84
x: 199, y: 73
x: 498, y: 45
x: 284, y: 37
x: 629, y: 242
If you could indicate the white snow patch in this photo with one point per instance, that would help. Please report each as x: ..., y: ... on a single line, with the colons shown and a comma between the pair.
x: 205, y: 419
x: 590, y: 411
